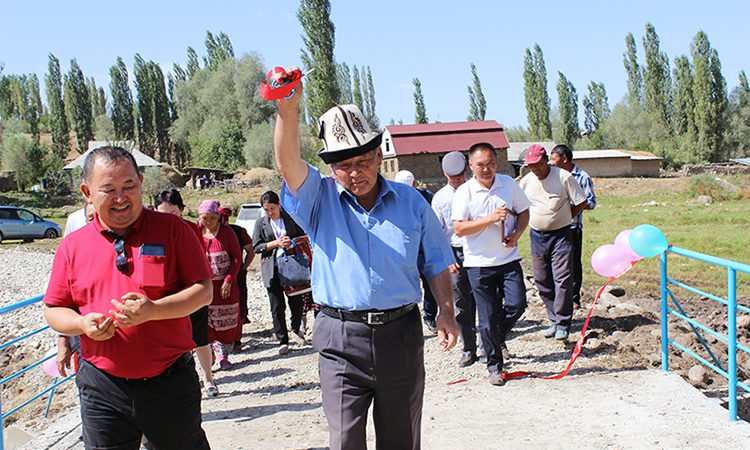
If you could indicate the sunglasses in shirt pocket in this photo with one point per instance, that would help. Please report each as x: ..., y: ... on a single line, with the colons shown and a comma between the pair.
x: 152, y: 261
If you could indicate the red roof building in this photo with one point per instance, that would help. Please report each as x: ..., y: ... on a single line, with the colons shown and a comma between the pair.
x: 420, y: 148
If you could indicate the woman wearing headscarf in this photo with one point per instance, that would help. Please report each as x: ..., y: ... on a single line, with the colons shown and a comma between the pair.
x: 274, y: 233
x: 224, y: 256
x: 169, y: 201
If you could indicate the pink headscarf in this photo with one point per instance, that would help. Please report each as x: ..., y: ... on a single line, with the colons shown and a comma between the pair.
x: 209, y: 206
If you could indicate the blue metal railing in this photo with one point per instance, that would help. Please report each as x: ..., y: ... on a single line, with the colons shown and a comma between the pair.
x: 730, y: 372
x: 55, y: 381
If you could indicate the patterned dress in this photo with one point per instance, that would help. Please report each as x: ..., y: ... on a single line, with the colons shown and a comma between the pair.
x: 224, y: 258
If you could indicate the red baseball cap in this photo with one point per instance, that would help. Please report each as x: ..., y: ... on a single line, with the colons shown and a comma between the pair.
x: 534, y: 154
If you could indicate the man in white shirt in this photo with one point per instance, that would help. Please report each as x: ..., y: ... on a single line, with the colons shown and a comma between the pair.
x: 78, y: 218
x: 454, y: 169
x: 555, y: 199
x: 491, y: 213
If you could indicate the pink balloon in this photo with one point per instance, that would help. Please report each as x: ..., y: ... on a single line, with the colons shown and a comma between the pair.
x: 610, y: 260
x: 623, y: 241
x: 50, y: 366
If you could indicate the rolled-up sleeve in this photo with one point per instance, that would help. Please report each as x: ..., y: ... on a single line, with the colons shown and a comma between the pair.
x: 303, y: 205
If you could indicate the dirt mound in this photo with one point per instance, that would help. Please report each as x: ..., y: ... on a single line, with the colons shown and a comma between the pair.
x: 174, y: 176
x: 258, y: 176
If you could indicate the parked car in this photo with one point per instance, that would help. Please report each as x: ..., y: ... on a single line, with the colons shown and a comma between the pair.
x: 20, y: 223
x: 248, y: 215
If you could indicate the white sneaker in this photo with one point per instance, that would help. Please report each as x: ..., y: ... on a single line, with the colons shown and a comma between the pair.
x: 298, y: 337
x: 283, y: 349
x: 211, y: 389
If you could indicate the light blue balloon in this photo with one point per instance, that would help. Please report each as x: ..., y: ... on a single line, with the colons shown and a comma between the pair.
x: 647, y: 241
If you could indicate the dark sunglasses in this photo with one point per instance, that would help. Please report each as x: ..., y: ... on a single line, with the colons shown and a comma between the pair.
x: 121, y: 260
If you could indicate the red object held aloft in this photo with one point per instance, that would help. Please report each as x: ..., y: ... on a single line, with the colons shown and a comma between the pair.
x: 281, y: 83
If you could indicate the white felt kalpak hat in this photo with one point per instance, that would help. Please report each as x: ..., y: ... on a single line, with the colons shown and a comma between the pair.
x: 346, y: 134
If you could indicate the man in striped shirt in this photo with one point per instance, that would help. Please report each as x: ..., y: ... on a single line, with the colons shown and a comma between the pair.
x: 562, y: 157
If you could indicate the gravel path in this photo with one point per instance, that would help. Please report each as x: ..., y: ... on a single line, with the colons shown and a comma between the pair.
x: 268, y: 401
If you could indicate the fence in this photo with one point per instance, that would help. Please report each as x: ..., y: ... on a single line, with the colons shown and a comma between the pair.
x: 730, y: 373
x: 38, y: 395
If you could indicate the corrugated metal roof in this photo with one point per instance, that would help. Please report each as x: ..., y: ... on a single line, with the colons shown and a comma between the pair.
x: 745, y: 161
x: 141, y: 159
x: 445, y: 137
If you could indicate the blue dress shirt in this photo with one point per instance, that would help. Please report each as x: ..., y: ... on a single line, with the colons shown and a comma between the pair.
x: 367, y: 260
x: 584, y: 180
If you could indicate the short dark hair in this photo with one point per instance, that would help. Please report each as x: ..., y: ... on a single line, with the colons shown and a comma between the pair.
x: 269, y: 197
x: 563, y: 150
x: 481, y: 146
x: 171, y: 196
x: 109, y: 154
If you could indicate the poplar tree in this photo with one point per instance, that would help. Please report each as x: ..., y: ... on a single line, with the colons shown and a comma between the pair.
x: 371, y: 115
x: 80, y: 106
x: 357, y: 90
x: 344, y: 80
x: 145, y: 119
x: 160, y: 105
x: 193, y: 65
x: 321, y: 87
x: 684, y: 105
x: 709, y: 93
x: 634, y: 72
x: 59, y: 127
x: 35, y: 107
x: 122, y: 101
x: 595, y: 108
x: 656, y: 81
x: 477, y: 102
x: 536, y: 95
x: 568, y: 103
x: 420, y: 111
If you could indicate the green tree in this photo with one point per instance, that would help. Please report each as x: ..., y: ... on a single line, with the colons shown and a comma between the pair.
x: 709, y: 94
x: 634, y: 72
x: 98, y: 98
x: 122, y: 102
x: 219, y: 145
x: 357, y: 90
x: 370, y: 114
x: 568, y: 104
x: 535, y: 94
x: 739, y: 110
x: 218, y: 49
x: 80, y: 106
x: 684, y: 105
x: 477, y: 103
x: 25, y: 158
x: 162, y: 118
x: 35, y: 108
x: 193, y: 65
x: 145, y: 119
x: 420, y: 111
x: 656, y: 80
x: 58, y: 121
x: 319, y: 38
x: 344, y: 80
x: 595, y: 111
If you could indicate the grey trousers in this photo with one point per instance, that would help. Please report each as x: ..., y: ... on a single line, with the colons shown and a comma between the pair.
x: 552, y: 262
x: 361, y: 364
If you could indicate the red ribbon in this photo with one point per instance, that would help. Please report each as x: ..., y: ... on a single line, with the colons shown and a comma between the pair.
x: 579, y: 343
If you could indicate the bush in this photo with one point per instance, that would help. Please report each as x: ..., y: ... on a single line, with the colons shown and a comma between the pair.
x: 153, y: 182
x: 707, y: 184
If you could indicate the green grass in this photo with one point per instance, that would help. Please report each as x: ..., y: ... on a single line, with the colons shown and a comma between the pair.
x: 720, y: 229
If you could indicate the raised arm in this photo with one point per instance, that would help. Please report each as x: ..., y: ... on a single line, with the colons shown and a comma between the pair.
x: 286, y: 142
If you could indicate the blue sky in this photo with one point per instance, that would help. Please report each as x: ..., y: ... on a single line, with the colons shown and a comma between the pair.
x: 432, y: 40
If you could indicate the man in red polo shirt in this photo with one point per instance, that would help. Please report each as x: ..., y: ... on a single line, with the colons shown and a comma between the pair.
x: 126, y: 283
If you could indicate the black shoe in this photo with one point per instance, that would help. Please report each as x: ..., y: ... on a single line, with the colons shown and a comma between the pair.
x: 467, y: 359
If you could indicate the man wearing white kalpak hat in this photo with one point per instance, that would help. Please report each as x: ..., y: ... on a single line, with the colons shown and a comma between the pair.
x: 455, y: 168
x: 371, y: 238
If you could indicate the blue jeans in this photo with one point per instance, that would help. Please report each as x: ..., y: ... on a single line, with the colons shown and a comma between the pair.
x: 500, y: 296
x: 552, y: 262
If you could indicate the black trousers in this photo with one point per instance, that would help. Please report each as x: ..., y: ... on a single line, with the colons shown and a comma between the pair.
x: 429, y: 304
x: 361, y: 364
x: 116, y: 412
x: 463, y: 303
x: 577, y: 265
x: 278, y: 310
x: 242, y: 285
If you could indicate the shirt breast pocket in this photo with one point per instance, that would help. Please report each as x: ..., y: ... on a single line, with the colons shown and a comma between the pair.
x: 152, y: 270
x: 557, y: 202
